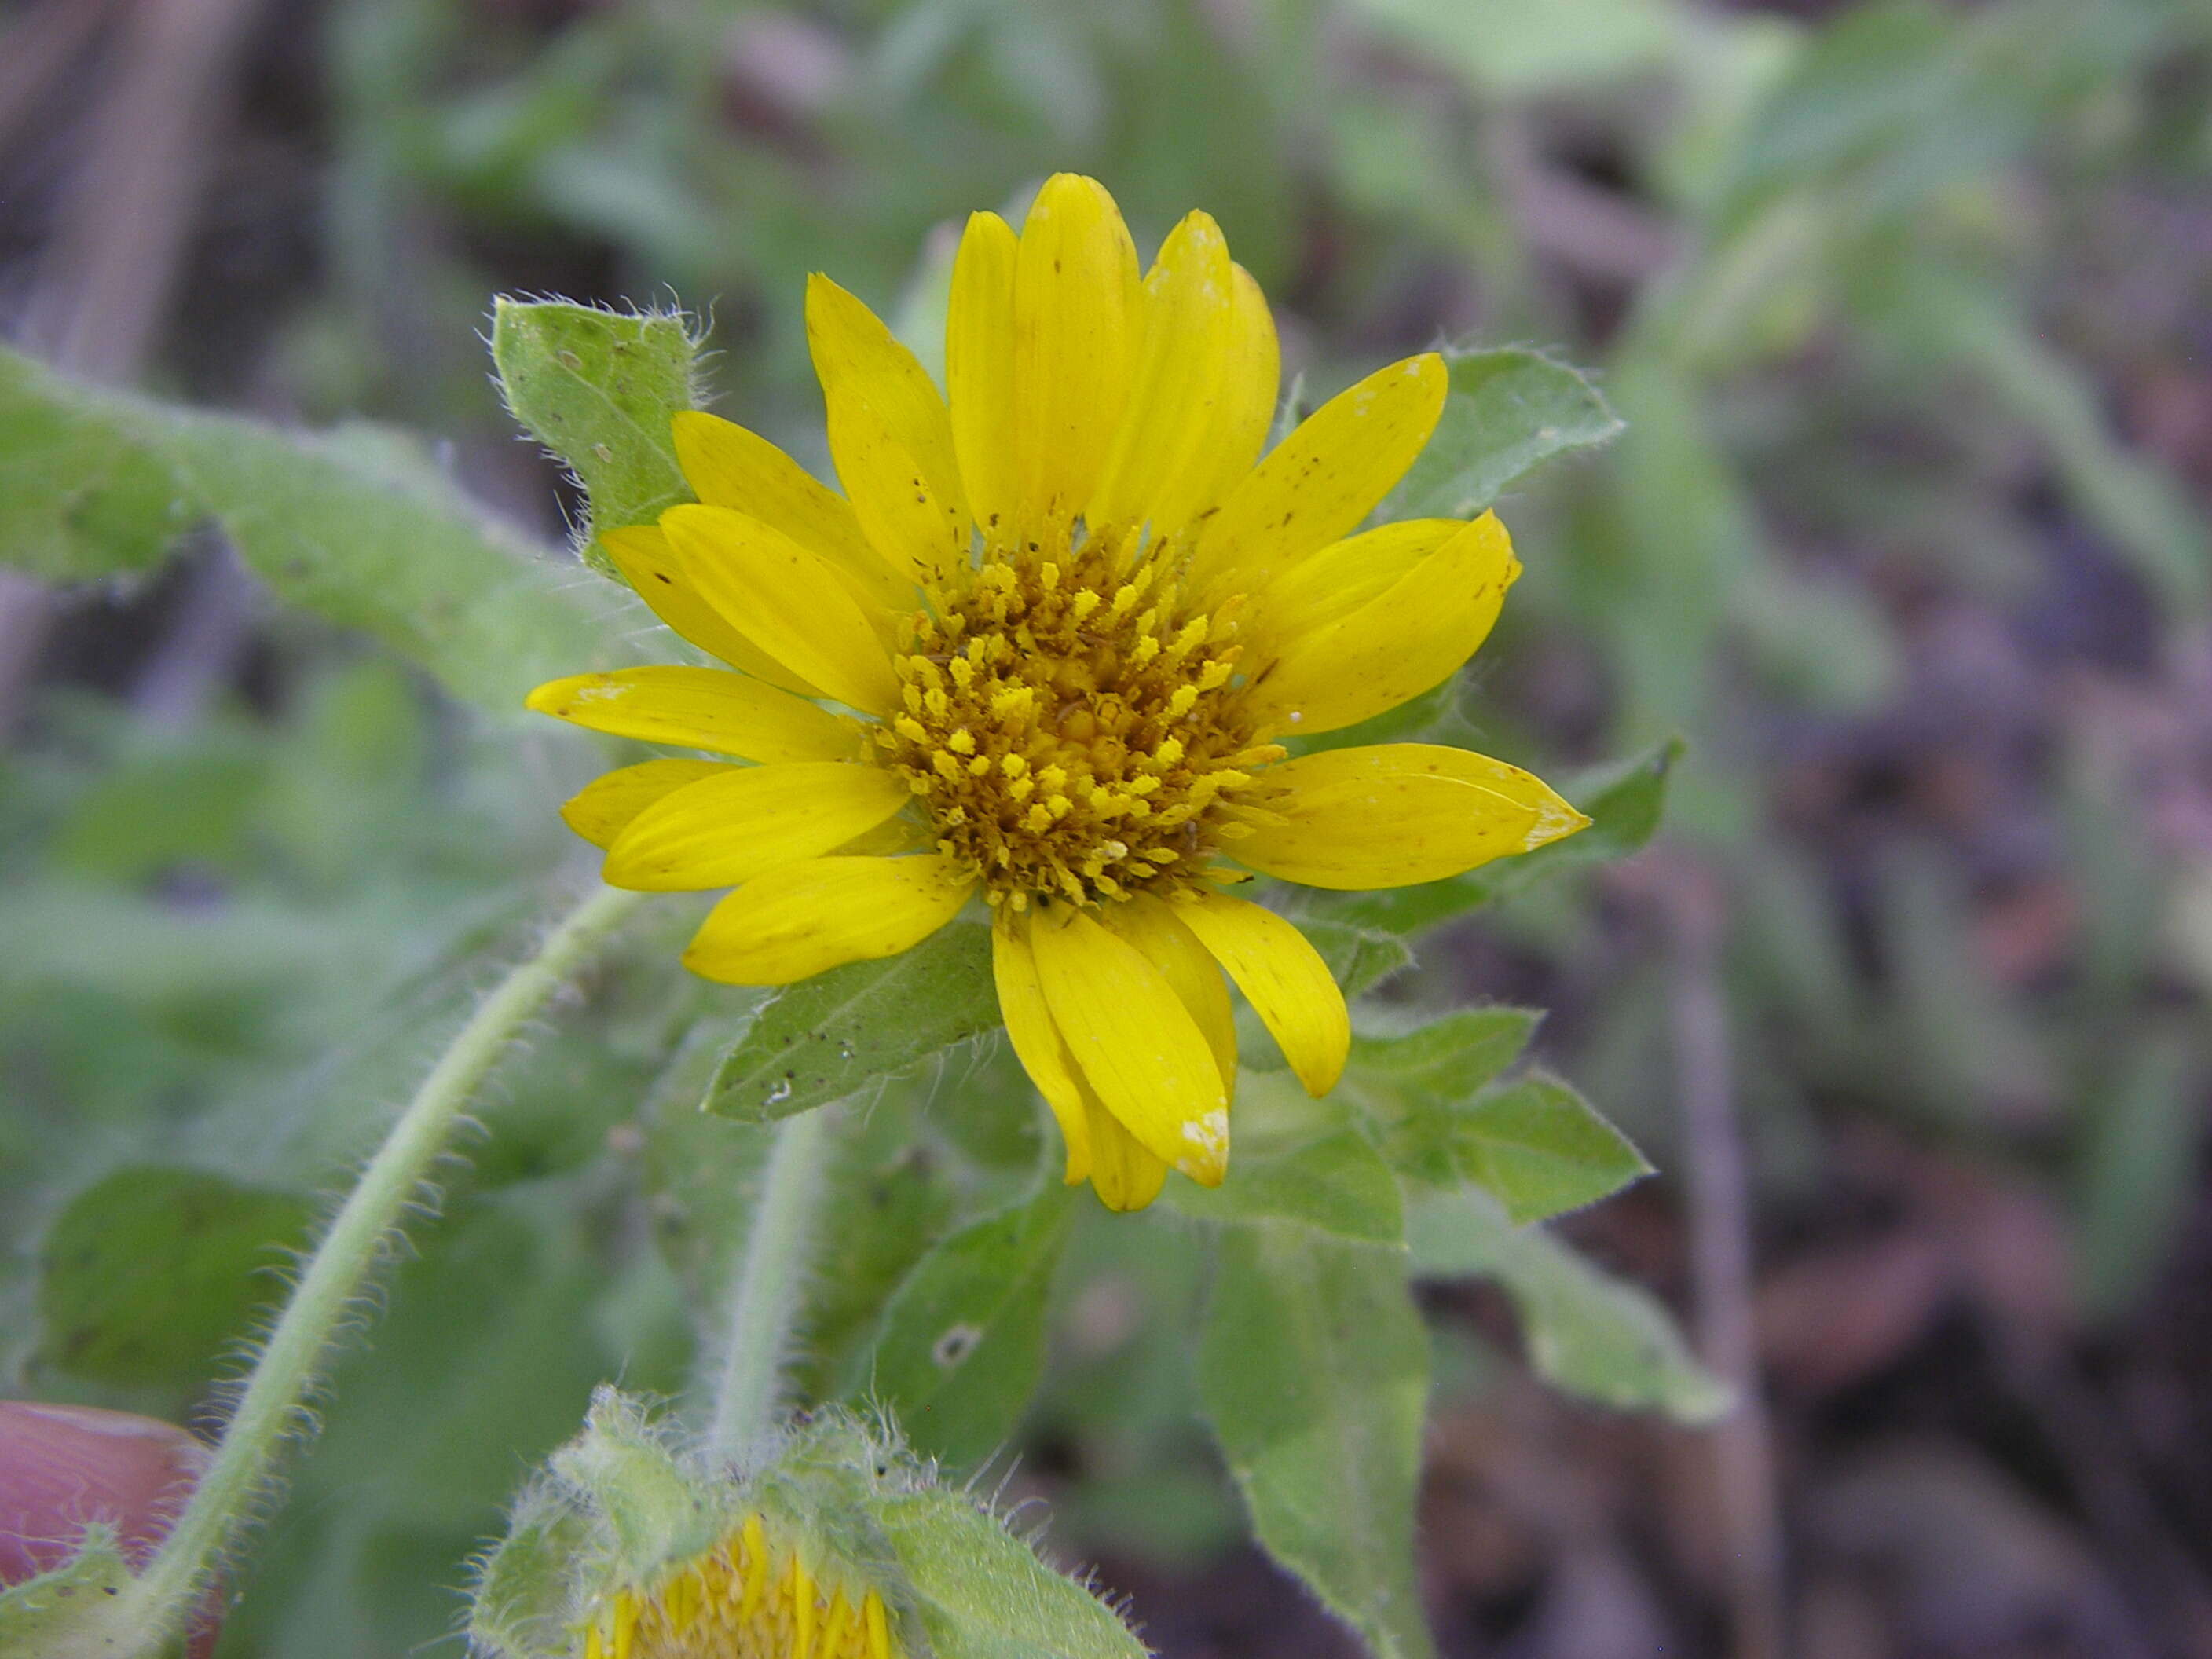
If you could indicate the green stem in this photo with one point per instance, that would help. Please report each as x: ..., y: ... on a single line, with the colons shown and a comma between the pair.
x: 764, y: 1302
x: 272, y: 1405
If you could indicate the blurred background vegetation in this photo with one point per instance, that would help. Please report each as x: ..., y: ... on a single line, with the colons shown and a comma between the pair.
x: 1908, y: 307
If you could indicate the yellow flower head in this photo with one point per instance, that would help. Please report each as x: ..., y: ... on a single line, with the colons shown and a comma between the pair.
x: 743, y: 1598
x: 1044, y: 646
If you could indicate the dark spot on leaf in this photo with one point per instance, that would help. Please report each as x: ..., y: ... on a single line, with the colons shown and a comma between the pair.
x: 955, y: 1345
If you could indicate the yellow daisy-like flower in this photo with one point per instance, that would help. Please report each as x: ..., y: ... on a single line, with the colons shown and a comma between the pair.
x: 744, y: 1599
x: 1044, y: 647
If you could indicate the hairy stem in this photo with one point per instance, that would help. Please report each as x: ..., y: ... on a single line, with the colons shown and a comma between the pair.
x: 764, y: 1300
x: 270, y: 1406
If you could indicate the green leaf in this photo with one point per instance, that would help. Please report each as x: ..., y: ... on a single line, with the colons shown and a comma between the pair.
x: 150, y: 1275
x: 1338, y: 1187
x: 74, y: 1611
x: 1540, y: 1149
x: 1313, y: 1372
x: 1587, y: 1334
x: 1516, y: 47
x: 522, y: 1603
x: 1508, y: 411
x: 1535, y: 1144
x: 962, y: 1342
x: 1360, y: 957
x: 655, y: 1510
x: 357, y: 526
x: 1452, y: 1055
x: 2146, y: 512
x: 982, y: 1594
x: 1892, y: 103
x: 1624, y: 802
x: 893, y: 1196
x: 2138, y: 1169
x: 598, y: 388
x: 77, y: 503
x: 827, y: 1038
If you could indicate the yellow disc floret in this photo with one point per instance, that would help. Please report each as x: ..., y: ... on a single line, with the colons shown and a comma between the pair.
x: 1071, y: 726
x: 746, y: 1598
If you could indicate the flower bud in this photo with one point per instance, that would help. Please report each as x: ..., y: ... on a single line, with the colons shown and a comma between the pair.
x: 839, y: 1545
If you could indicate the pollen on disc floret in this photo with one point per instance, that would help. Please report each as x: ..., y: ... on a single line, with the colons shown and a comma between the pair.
x: 747, y: 1597
x: 1071, y: 727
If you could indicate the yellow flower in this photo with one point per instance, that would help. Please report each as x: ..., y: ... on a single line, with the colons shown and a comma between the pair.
x: 745, y: 1598
x: 1043, y: 646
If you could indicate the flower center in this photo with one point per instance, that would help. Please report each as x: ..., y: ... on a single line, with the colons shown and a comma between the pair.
x: 743, y: 1598
x: 1072, y: 727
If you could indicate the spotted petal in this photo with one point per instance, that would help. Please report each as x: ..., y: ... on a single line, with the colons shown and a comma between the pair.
x: 1324, y: 479
x: 1413, y: 635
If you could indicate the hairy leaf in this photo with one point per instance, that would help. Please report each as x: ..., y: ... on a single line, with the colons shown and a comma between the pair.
x: 962, y: 1342
x: 1540, y: 1149
x: 1451, y: 1056
x: 1313, y: 1372
x: 829, y: 1037
x: 357, y: 526
x: 598, y: 388
x: 982, y: 1594
x: 78, y: 501
x: 74, y: 1612
x: 150, y: 1274
x: 1508, y: 411
x: 1587, y: 1334
x: 1360, y: 957
x: 1338, y: 1187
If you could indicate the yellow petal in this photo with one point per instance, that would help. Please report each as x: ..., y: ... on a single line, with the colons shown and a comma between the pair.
x: 1189, y: 316
x: 1324, y: 477
x: 1156, y: 929
x: 1284, y: 980
x: 1395, y: 646
x: 1124, y: 1176
x: 1397, y: 813
x: 1124, y: 1173
x: 701, y: 708
x: 603, y: 808
x: 888, y: 429
x: 979, y: 370
x: 888, y: 839
x: 804, y: 919
x: 649, y: 564
x: 1251, y: 377
x: 1076, y: 291
x: 729, y: 466
x: 1036, y: 1039
x: 801, y: 1596
x: 919, y: 531
x: 745, y: 822
x: 786, y: 600
x: 1133, y: 1042
x: 1328, y: 585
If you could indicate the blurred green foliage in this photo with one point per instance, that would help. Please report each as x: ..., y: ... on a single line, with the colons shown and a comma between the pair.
x: 1843, y: 279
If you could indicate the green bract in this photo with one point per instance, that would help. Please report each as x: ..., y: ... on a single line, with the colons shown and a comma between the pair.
x: 624, y: 1507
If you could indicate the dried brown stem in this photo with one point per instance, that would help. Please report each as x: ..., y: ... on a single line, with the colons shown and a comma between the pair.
x: 106, y: 274
x: 1695, y: 911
